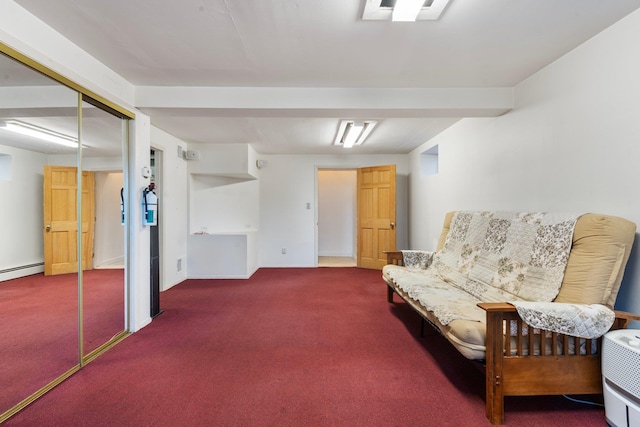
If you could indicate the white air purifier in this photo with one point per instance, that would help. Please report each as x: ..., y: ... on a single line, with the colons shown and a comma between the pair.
x: 621, y: 377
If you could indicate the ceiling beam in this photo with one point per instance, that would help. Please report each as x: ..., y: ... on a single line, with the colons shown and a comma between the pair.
x: 320, y: 102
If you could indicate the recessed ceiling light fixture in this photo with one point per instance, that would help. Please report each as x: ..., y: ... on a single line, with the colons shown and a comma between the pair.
x: 403, y: 10
x: 406, y: 10
x: 352, y: 132
x: 28, y: 129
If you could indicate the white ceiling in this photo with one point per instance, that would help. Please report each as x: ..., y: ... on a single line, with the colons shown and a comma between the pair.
x: 168, y: 47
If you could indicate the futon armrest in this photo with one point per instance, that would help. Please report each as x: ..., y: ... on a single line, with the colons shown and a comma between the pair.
x: 493, y: 308
x: 394, y: 257
x: 497, y: 307
x: 626, y: 315
x: 623, y: 318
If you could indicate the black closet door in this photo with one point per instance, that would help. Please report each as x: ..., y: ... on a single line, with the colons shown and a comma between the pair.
x: 155, y: 271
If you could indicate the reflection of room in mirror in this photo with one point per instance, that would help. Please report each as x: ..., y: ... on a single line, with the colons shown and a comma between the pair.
x: 40, y: 313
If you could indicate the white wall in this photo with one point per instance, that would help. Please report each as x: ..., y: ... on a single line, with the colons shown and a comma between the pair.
x: 288, y: 183
x: 221, y: 159
x: 21, y: 214
x: 337, y: 213
x: 222, y: 256
x: 137, y: 249
x: 220, y: 206
x: 571, y: 144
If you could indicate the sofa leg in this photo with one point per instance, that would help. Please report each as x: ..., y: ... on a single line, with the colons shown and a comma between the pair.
x: 389, y: 294
x: 494, y: 370
x: 494, y: 406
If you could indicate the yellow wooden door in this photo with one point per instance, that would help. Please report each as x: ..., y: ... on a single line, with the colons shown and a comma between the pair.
x: 376, y: 215
x: 61, y: 221
x: 88, y: 218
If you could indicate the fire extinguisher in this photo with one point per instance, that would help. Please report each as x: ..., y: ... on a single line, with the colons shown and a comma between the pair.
x: 149, y: 206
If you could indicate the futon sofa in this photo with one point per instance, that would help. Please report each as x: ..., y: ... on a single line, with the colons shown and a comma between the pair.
x: 528, y: 294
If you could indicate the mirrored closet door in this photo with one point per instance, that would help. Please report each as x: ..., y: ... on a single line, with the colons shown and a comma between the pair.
x: 38, y: 313
x: 62, y: 254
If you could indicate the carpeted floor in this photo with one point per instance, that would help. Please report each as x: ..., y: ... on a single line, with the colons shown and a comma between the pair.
x: 288, y: 347
x: 39, y: 326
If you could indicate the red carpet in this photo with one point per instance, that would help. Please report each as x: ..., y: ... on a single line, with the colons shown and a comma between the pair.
x: 39, y: 326
x: 38, y: 333
x: 288, y: 347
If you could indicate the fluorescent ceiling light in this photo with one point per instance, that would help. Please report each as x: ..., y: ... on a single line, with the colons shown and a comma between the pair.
x: 28, y: 129
x: 351, y: 132
x: 384, y: 10
x: 406, y: 10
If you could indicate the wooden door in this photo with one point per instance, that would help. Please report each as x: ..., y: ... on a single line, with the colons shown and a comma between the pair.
x: 61, y: 221
x: 376, y: 215
x: 88, y: 218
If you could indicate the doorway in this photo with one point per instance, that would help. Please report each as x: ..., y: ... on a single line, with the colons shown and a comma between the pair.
x: 108, y: 248
x: 357, y: 215
x: 337, y: 217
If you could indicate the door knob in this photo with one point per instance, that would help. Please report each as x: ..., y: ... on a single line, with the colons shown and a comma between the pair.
x: 47, y: 227
x: 393, y: 225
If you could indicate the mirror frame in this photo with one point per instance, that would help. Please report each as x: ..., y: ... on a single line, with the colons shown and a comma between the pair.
x: 99, y: 101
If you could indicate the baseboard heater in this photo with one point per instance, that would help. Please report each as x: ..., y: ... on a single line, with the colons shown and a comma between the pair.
x: 22, y: 267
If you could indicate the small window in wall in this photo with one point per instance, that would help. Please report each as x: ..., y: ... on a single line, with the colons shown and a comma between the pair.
x: 5, y: 167
x: 429, y: 162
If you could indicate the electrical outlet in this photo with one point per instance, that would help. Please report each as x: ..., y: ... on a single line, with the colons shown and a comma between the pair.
x: 179, y: 265
x: 284, y: 251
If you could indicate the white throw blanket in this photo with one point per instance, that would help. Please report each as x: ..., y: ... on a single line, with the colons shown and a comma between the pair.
x: 578, y: 320
x: 497, y: 254
x: 492, y: 257
x: 447, y: 302
x: 417, y: 260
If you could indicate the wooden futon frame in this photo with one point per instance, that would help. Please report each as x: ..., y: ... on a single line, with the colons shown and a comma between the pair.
x: 510, y: 369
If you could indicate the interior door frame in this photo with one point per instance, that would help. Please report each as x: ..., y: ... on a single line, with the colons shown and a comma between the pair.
x: 316, y: 218
x: 402, y: 216
x: 317, y: 207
